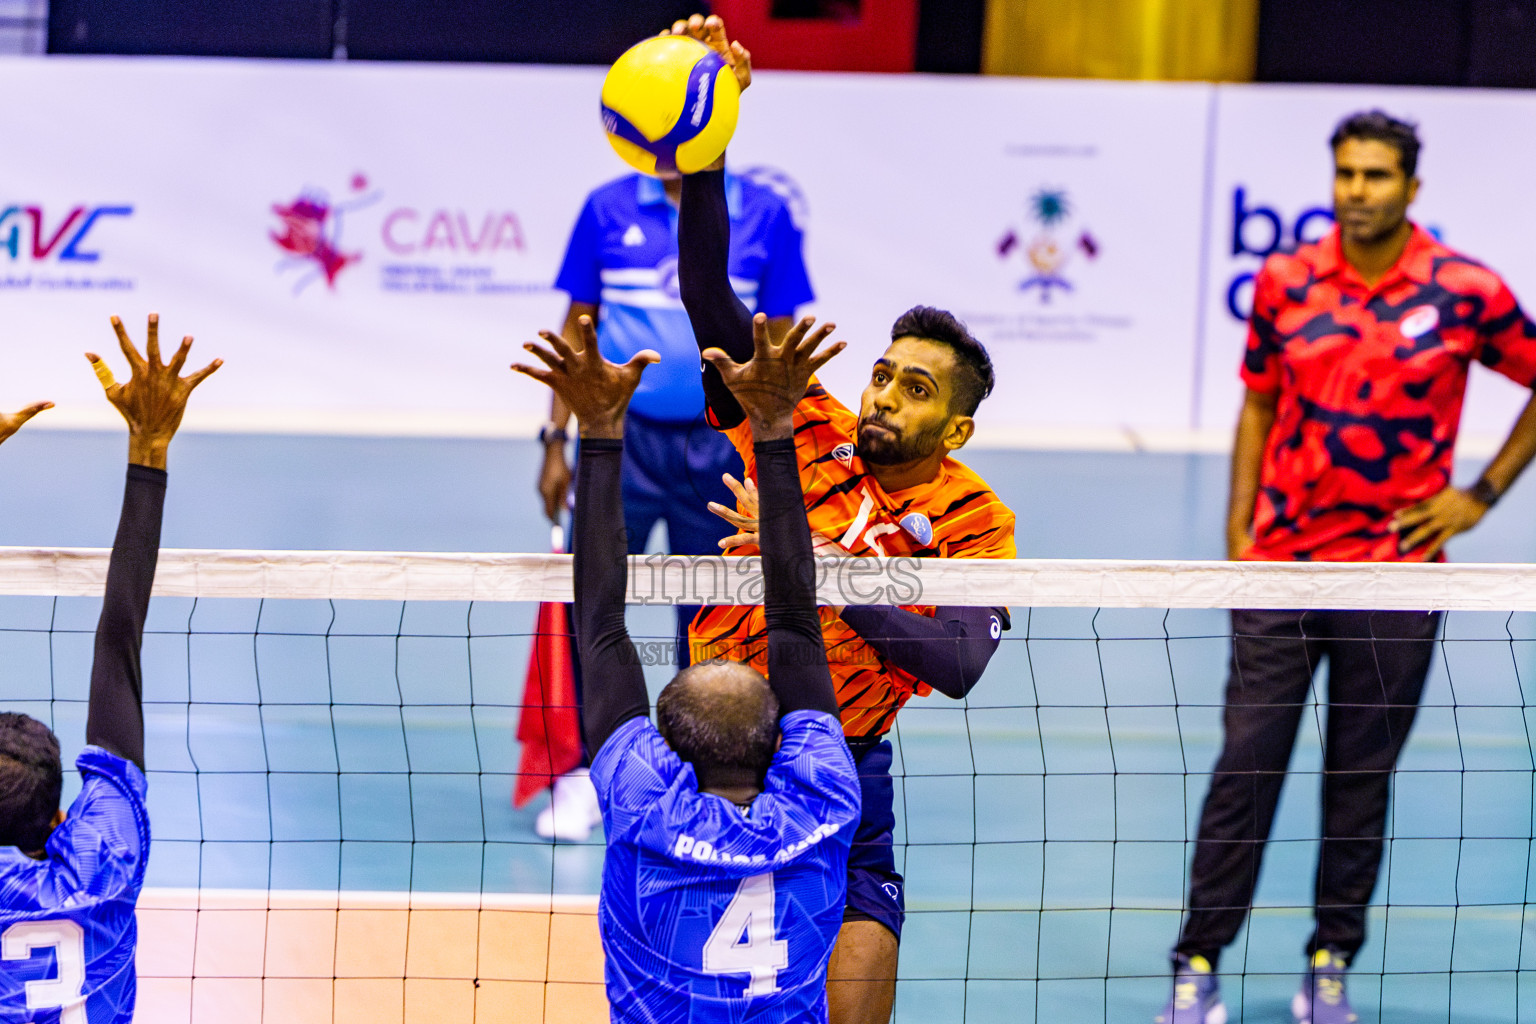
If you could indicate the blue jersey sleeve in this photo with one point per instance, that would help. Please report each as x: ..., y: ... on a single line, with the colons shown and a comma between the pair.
x: 105, y: 835
x: 581, y: 272
x: 785, y: 285
x: 632, y: 771
x: 814, y: 769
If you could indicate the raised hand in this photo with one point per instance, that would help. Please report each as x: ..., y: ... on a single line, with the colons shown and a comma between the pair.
x: 10, y: 422
x: 596, y: 390
x: 772, y: 382
x: 711, y: 32
x: 156, y: 394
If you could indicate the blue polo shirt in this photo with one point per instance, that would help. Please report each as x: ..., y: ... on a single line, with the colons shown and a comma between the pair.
x: 622, y: 257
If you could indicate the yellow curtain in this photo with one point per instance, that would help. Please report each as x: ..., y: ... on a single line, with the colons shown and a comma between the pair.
x: 1161, y: 39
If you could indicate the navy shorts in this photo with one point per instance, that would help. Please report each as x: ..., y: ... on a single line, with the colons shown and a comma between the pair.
x: 876, y: 890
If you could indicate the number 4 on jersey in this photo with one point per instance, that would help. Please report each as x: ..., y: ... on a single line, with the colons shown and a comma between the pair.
x: 743, y: 941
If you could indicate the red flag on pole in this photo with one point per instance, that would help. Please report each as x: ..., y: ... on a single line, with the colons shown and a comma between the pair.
x: 550, y: 725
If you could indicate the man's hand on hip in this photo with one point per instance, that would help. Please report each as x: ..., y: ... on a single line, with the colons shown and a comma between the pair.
x: 1436, y: 520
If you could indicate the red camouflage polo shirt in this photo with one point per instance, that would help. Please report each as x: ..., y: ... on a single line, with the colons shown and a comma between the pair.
x: 1369, y: 384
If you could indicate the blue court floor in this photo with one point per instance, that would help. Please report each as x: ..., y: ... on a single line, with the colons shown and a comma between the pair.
x: 298, y: 745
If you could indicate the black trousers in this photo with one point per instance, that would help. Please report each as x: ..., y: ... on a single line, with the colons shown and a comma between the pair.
x: 1377, y: 664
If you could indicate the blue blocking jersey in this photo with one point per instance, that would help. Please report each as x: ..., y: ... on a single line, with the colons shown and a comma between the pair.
x: 712, y: 913
x: 67, y: 926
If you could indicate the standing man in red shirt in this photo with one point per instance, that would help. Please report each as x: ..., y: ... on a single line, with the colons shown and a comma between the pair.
x: 1357, y: 360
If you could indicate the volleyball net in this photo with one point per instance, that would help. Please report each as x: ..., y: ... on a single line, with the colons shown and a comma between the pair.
x: 331, y: 741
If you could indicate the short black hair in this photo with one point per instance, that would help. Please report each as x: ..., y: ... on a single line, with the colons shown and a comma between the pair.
x: 975, y: 378
x: 31, y: 781
x: 720, y: 714
x: 1381, y: 126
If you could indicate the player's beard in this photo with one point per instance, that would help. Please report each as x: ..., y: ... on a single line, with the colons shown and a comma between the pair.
x: 889, y: 447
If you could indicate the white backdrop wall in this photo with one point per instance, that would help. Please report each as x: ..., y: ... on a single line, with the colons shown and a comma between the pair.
x: 1085, y: 230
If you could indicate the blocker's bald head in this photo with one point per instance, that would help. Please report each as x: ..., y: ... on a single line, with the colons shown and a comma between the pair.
x: 721, y: 717
x: 31, y: 781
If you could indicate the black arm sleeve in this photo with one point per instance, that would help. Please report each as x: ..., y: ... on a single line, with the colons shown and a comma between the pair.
x: 719, y: 318
x: 948, y: 651
x: 614, y: 683
x: 115, y: 721
x: 797, y: 654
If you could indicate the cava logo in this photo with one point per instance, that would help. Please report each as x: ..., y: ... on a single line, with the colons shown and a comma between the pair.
x: 1045, y: 243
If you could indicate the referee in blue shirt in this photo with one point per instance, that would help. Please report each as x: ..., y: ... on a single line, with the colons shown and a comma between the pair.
x: 620, y: 269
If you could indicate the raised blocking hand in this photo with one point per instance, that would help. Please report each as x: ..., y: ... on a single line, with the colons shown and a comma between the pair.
x: 772, y: 382
x: 155, y: 397
x: 596, y: 390
x: 10, y: 422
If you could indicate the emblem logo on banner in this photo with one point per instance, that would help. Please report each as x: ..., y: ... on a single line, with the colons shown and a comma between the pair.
x: 311, y: 233
x: 1048, y: 249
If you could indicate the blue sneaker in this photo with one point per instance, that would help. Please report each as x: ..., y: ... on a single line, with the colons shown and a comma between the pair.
x: 1196, y: 995
x: 1322, y: 999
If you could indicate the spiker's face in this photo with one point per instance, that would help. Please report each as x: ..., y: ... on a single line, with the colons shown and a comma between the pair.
x: 904, y: 413
x: 1370, y: 191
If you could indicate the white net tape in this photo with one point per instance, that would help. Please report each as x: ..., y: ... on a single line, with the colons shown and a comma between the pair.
x: 671, y: 579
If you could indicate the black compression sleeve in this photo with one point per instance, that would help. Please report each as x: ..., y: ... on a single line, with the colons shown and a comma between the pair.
x: 719, y: 318
x: 115, y: 721
x: 797, y: 654
x: 613, y: 688
x: 948, y: 651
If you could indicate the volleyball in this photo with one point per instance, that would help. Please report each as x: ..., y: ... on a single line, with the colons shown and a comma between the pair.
x: 669, y: 105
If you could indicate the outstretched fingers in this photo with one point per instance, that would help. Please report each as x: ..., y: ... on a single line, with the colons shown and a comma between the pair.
x: 180, y: 358
x: 640, y: 360
x: 152, y: 340
x: 541, y: 375
x: 718, y: 358
x: 822, y: 358
x: 203, y: 374
x: 804, y: 341
x: 135, y: 361
x: 22, y: 415
x: 102, y: 370
x: 762, y: 341
x: 551, y: 359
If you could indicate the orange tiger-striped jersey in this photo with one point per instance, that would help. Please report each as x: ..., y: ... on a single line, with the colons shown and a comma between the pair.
x: 954, y: 515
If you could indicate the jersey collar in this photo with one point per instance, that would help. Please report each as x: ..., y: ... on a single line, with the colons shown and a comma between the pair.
x: 1415, y: 264
x: 649, y: 191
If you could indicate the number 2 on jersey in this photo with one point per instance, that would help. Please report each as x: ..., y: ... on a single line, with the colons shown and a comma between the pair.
x: 61, y: 992
x: 743, y: 941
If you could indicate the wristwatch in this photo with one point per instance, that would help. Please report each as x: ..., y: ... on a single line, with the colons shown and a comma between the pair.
x: 551, y: 434
x: 1484, y: 491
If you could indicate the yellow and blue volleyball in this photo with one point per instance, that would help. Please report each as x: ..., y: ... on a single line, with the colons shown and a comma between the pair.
x: 670, y: 105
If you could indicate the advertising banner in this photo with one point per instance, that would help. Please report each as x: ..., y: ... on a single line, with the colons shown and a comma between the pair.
x: 367, y: 245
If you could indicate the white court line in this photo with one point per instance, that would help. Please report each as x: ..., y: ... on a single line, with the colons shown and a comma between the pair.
x: 322, y: 899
